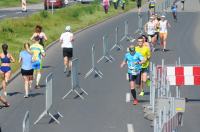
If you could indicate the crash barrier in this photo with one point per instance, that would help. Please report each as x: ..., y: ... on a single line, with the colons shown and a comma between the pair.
x: 26, y: 123
x: 75, y: 81
x: 106, y: 51
x: 170, y: 114
x: 24, y: 8
x: 117, y: 43
x: 126, y: 35
x: 48, y: 104
x: 94, y: 68
x: 162, y: 7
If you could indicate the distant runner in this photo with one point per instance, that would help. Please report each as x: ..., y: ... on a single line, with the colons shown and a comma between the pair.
x: 174, y: 11
x: 164, y: 24
x: 133, y: 61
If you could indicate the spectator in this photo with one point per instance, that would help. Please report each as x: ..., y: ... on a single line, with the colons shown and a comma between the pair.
x: 106, y: 5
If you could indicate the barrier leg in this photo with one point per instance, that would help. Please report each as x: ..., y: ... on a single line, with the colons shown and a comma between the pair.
x: 53, y: 117
x: 67, y: 94
x: 40, y: 117
x: 78, y: 94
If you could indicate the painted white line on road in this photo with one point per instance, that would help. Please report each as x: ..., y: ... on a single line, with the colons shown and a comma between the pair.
x: 19, y: 12
x: 128, y: 97
x: 2, y: 16
x: 130, y: 128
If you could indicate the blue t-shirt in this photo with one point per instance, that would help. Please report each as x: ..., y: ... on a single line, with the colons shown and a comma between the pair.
x: 131, y: 60
x: 174, y: 8
x: 26, y: 60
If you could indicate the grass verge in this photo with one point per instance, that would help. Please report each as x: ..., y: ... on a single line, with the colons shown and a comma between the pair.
x: 15, y: 3
x: 17, y: 31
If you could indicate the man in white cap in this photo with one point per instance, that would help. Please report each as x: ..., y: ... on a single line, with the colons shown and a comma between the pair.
x: 66, y: 40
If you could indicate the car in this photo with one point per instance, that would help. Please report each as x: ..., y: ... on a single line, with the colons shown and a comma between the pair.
x: 85, y: 1
x: 56, y: 4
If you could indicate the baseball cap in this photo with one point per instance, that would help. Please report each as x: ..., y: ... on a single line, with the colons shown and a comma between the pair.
x: 163, y: 16
x: 67, y: 28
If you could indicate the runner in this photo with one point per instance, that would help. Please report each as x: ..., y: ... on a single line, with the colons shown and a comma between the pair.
x: 174, y: 11
x: 156, y: 22
x: 146, y: 43
x: 150, y: 28
x: 38, y: 32
x: 163, y: 32
x: 152, y: 4
x: 145, y: 52
x: 66, y: 40
x: 133, y: 61
x: 5, y: 69
x: 25, y: 58
x: 37, y: 52
x: 139, y: 4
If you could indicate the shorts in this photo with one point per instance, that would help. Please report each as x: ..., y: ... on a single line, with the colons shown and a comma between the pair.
x: 163, y: 35
x: 5, y: 69
x: 68, y: 52
x: 143, y: 70
x: 135, y: 78
x: 37, y: 65
x: 27, y: 72
x: 150, y: 37
x: 139, y: 3
x: 151, y: 7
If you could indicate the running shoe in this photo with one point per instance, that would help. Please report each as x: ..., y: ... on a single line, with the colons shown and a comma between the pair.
x: 141, y: 93
x: 69, y: 73
x: 135, y: 102
x: 26, y: 96
x: 37, y: 86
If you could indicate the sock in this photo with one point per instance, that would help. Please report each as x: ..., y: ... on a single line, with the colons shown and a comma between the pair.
x: 133, y: 92
x: 38, y: 79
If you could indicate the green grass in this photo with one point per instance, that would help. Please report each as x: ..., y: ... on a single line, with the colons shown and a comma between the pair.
x: 11, y: 3
x: 17, y: 31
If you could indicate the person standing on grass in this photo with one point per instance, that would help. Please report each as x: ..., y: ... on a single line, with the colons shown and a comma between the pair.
x: 134, y: 61
x: 5, y: 69
x: 66, y: 40
x: 25, y: 58
x: 123, y: 4
x: 139, y: 4
x: 37, y: 54
x: 42, y: 35
x: 106, y: 5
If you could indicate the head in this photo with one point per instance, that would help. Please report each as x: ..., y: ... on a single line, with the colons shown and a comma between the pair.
x: 140, y: 41
x: 5, y: 48
x: 151, y: 18
x: 26, y: 45
x: 36, y: 39
x: 68, y: 28
x: 38, y: 29
x: 132, y: 49
x: 162, y: 17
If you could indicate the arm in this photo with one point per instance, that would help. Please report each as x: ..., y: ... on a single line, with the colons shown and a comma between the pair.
x: 12, y: 59
x: 123, y: 64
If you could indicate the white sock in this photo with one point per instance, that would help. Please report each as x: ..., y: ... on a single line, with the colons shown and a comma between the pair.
x: 38, y: 79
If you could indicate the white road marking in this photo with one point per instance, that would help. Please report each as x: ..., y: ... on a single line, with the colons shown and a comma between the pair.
x: 2, y: 16
x: 128, y: 97
x: 130, y: 128
x: 19, y: 12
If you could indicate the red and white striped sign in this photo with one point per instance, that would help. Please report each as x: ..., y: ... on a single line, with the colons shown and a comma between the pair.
x: 183, y: 75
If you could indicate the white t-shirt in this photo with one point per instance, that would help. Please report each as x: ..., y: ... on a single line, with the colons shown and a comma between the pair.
x: 150, y: 28
x: 66, y: 39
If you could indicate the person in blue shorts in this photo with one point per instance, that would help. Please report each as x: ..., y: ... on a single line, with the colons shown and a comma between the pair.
x: 37, y: 54
x: 134, y: 61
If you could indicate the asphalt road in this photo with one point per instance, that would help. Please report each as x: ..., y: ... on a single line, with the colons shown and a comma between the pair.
x: 105, y: 108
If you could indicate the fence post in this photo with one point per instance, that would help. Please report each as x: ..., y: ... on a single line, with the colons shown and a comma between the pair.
x: 48, y: 104
x: 75, y: 81
x: 105, y: 51
x: 117, y: 44
x: 94, y: 68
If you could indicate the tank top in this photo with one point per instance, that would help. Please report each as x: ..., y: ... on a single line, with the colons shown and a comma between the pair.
x: 5, y: 59
x: 163, y: 26
x: 150, y: 28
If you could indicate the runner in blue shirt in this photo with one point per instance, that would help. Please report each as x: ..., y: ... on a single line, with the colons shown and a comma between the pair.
x: 174, y: 11
x: 133, y: 61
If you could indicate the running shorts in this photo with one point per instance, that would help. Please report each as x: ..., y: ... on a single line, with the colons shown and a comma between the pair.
x: 135, y: 78
x: 143, y: 70
x: 68, y: 52
x: 27, y: 72
x: 37, y: 65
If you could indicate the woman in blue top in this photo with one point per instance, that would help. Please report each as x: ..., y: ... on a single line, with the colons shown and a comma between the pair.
x: 5, y: 69
x: 25, y: 59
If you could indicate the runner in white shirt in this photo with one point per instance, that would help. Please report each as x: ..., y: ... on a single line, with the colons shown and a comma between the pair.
x: 164, y: 24
x: 66, y: 40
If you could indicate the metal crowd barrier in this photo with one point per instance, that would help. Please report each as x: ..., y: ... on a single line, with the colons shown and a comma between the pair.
x: 117, y: 44
x: 106, y: 54
x: 26, y: 123
x: 75, y: 81
x: 140, y: 26
x: 94, y: 68
x: 126, y: 36
x: 48, y: 104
